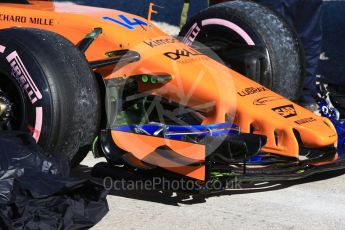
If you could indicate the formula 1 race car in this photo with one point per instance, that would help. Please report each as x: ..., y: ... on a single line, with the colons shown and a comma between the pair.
x: 80, y: 78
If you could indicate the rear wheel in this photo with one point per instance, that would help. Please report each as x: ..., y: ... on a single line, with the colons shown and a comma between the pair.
x: 246, y: 25
x: 48, y: 90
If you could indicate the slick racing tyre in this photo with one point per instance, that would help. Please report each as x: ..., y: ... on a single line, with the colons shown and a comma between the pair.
x: 48, y: 90
x: 249, y: 24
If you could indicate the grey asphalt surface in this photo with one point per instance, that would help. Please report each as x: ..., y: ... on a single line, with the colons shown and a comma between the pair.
x: 314, y: 203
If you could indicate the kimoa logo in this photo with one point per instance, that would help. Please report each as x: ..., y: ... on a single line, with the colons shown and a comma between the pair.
x: 160, y: 42
x: 182, y: 53
x: 251, y: 90
x: 20, y: 73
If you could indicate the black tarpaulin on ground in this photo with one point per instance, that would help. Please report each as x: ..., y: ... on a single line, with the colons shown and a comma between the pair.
x: 36, y: 192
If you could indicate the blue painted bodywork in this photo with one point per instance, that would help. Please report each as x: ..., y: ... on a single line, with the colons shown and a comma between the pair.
x: 176, y: 132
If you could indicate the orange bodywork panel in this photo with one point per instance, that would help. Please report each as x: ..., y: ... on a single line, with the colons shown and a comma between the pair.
x: 197, y: 80
x: 144, y: 147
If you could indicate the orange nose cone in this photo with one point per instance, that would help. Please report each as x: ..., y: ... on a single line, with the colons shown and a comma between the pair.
x: 285, y: 123
x: 317, y: 133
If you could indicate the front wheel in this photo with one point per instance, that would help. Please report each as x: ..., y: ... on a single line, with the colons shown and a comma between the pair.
x: 48, y: 90
x: 246, y: 25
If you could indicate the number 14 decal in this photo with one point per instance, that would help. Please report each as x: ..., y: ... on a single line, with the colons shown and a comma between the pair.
x: 126, y: 22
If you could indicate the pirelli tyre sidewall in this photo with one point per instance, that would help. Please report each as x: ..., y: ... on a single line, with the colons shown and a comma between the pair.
x: 60, y: 94
x: 249, y: 23
x: 27, y: 75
